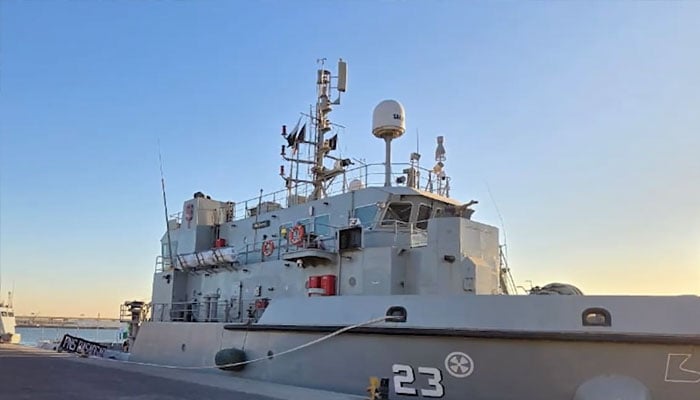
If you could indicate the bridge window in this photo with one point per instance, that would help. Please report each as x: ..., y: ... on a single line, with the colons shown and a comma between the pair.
x: 322, y: 225
x: 164, y: 250
x: 423, y: 216
x: 366, y: 214
x: 397, y: 213
x: 10, y: 314
x: 307, y: 223
x: 3, y: 313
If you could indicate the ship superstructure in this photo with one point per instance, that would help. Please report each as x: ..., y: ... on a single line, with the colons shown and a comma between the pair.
x: 333, y: 233
x: 421, y: 293
x: 7, y: 322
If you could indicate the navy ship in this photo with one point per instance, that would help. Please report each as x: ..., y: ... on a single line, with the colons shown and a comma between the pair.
x: 372, y: 274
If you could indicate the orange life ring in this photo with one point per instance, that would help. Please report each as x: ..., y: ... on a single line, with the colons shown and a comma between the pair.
x: 268, y: 247
x: 296, y: 235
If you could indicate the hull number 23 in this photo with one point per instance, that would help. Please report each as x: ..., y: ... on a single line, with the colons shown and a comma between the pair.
x: 430, y: 385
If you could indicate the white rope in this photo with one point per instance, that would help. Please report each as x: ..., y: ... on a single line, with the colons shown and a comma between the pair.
x: 293, y: 349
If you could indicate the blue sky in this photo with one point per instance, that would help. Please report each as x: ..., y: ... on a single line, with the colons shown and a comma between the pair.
x: 580, y: 117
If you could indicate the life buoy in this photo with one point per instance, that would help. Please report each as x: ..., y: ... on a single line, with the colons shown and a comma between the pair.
x: 268, y: 248
x: 296, y: 235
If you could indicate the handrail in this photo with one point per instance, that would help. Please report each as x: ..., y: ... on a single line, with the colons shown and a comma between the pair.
x: 251, y: 253
x: 370, y: 175
x: 204, y: 310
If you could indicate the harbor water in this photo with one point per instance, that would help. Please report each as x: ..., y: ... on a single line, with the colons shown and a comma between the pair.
x: 31, y: 336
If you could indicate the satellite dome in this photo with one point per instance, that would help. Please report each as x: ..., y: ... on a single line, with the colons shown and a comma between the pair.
x: 355, y: 184
x: 388, y: 120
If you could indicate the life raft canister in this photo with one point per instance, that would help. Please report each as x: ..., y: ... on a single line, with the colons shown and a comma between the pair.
x: 296, y: 235
x: 268, y: 247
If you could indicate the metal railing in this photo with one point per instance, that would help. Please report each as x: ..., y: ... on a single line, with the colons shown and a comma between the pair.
x: 209, y: 310
x: 368, y: 175
x: 252, y: 253
x: 162, y: 264
x: 176, y: 216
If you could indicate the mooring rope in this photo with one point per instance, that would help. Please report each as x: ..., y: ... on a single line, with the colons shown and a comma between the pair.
x: 288, y: 351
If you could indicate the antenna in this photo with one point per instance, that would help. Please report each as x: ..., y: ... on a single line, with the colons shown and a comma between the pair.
x: 417, y: 141
x: 321, y: 176
x: 165, y: 207
x: 342, y: 77
x: 503, y: 250
x: 443, y: 189
x: 500, y: 218
x: 388, y: 123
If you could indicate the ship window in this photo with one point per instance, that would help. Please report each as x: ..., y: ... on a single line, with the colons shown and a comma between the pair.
x: 322, y: 225
x: 350, y: 238
x: 3, y: 313
x: 307, y: 223
x: 397, y: 213
x: 165, y: 252
x: 366, y: 214
x: 423, y: 216
x: 10, y: 314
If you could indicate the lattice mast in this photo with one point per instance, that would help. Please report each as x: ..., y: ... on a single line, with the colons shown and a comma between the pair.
x: 320, y: 176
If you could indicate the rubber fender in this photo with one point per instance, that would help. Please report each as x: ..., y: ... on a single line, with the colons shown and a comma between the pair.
x: 230, y: 356
x: 612, y: 387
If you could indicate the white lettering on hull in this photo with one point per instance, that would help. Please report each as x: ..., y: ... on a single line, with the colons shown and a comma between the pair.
x: 676, y: 370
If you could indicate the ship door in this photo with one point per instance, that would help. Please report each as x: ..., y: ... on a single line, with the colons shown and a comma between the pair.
x: 234, y: 313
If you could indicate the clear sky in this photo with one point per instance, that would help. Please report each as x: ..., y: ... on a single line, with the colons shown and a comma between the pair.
x: 582, y: 118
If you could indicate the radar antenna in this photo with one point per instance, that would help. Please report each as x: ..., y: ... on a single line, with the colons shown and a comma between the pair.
x: 441, y: 178
x: 321, y: 176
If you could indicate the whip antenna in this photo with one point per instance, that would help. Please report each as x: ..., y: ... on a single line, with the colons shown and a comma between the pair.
x: 165, y: 207
x: 503, y: 250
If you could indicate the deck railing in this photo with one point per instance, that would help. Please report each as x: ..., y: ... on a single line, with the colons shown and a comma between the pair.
x: 209, y: 309
x: 367, y: 175
x: 252, y: 253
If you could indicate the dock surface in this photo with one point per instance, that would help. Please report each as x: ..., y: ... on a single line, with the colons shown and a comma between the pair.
x: 34, y: 374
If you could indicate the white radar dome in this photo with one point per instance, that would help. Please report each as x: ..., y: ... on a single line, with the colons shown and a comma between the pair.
x: 388, y: 120
x: 355, y: 184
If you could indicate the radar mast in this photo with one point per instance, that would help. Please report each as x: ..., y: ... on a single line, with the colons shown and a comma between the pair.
x: 321, y: 176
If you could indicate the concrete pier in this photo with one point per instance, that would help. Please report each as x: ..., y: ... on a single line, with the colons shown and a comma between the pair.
x: 34, y: 374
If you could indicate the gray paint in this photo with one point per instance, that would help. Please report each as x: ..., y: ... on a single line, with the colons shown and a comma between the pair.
x: 503, y: 369
x: 447, y: 277
x: 612, y: 387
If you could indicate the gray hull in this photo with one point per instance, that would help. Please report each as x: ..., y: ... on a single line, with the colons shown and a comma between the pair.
x: 500, y: 368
